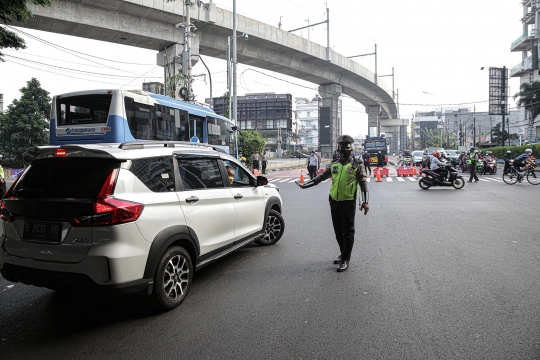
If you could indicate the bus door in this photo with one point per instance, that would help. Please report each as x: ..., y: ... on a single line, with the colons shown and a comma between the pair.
x: 196, y: 127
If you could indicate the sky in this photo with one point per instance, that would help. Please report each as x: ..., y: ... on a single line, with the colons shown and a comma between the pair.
x: 435, y: 47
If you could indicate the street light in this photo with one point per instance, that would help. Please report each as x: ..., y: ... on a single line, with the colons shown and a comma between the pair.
x: 425, y: 92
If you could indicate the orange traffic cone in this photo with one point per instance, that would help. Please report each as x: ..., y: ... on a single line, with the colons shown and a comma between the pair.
x: 301, y: 176
x: 420, y: 166
x: 414, y: 170
x: 379, y: 177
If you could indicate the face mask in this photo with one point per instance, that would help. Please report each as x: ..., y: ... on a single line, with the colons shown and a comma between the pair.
x: 345, y: 153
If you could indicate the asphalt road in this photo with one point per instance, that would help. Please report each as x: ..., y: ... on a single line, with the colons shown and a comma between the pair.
x: 437, y: 274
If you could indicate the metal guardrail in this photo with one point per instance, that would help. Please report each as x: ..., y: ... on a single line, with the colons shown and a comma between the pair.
x: 519, y: 39
x: 516, y: 68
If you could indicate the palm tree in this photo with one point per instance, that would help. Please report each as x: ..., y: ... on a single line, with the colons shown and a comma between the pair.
x: 529, y: 97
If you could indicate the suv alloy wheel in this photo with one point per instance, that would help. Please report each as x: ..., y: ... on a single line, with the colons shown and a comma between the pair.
x: 173, y: 278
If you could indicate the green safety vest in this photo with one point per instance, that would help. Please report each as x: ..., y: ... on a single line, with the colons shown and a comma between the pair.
x: 344, y: 184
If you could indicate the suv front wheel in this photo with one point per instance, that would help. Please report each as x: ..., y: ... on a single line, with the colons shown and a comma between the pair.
x: 173, y: 278
x: 273, y: 229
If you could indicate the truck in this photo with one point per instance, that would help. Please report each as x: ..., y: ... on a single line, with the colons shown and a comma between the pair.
x: 373, y: 145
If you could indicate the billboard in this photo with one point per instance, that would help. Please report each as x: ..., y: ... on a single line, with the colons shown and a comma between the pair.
x: 324, y: 126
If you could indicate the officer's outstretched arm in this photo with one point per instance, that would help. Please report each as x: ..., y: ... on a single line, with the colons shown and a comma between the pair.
x: 316, y: 180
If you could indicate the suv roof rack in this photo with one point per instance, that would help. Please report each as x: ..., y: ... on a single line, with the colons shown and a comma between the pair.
x: 141, y: 144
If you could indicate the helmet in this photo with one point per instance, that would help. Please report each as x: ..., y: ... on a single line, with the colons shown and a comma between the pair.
x: 528, y: 151
x: 472, y: 149
x: 509, y: 152
x: 436, y: 153
x: 475, y: 151
x: 345, y: 142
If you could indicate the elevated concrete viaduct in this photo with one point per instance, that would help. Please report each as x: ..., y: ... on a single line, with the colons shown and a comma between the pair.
x: 150, y: 24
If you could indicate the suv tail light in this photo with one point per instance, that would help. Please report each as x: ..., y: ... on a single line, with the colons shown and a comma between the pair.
x: 5, y: 214
x: 108, y: 210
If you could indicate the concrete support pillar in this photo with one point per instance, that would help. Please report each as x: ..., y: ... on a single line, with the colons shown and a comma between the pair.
x: 170, y: 60
x: 374, y: 121
x: 330, y: 118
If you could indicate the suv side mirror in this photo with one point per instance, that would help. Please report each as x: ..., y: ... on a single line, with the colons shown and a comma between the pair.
x: 262, y: 181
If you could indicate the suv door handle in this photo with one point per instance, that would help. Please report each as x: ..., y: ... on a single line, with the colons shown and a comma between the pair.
x: 192, y: 199
x: 238, y: 196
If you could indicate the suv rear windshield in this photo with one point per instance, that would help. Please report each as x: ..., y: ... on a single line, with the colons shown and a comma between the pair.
x: 84, y: 109
x: 62, y: 178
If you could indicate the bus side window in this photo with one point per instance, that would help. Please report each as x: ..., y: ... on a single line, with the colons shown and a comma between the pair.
x: 140, y: 119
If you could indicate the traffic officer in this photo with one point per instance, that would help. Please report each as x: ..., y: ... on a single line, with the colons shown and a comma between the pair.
x: 347, y: 173
x: 473, y: 156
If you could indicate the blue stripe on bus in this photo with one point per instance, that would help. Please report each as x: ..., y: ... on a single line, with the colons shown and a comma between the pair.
x: 119, y: 133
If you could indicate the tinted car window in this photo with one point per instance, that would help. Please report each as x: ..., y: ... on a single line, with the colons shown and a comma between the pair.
x: 156, y: 173
x: 200, y: 174
x: 65, y: 178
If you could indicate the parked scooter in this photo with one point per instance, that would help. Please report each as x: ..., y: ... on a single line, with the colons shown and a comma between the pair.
x: 428, y: 179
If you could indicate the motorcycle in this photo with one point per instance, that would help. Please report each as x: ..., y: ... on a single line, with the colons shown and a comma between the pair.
x: 429, y: 179
x: 490, y: 166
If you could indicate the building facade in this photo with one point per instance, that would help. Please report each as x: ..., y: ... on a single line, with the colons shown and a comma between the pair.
x: 308, y: 118
x: 528, y: 69
x: 269, y: 113
x: 461, y: 127
x: 1, y: 102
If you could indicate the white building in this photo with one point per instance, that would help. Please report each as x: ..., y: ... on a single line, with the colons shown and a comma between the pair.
x: 528, y: 44
x: 308, y: 116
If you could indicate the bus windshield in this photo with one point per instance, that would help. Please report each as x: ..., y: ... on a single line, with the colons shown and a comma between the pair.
x: 83, y: 109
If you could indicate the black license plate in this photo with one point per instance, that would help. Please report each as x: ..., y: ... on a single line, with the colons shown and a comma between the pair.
x: 42, y: 231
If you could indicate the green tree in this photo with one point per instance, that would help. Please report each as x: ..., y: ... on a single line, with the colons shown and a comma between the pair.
x: 432, y: 137
x: 15, y: 10
x: 252, y: 140
x: 25, y: 122
x: 529, y: 97
x: 498, y: 134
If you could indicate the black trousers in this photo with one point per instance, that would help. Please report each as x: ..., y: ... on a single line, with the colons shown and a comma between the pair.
x: 367, y: 166
x: 343, y: 213
x: 264, y: 167
x: 256, y: 164
x: 312, y: 169
x: 473, y: 172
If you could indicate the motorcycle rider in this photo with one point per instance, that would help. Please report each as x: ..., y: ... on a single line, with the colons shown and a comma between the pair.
x: 473, y: 157
x: 460, y: 160
x: 507, y: 160
x: 434, y: 166
x: 523, y: 161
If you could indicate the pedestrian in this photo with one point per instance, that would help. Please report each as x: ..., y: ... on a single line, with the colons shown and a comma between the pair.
x: 255, y: 160
x: 264, y: 161
x: 380, y: 159
x: 473, y: 157
x: 318, y: 154
x: 347, y: 174
x: 312, y: 165
x: 335, y: 156
x: 367, y: 161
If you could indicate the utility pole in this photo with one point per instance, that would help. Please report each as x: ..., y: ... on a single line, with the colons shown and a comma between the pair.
x: 474, y: 127
x: 187, y: 47
x: 279, y: 25
x: 234, y: 65
x: 308, y: 33
x: 503, y: 85
x: 328, y: 34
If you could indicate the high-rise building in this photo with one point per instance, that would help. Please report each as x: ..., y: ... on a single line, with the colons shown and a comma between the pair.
x: 269, y: 113
x: 308, y: 116
x: 1, y: 102
x: 528, y: 69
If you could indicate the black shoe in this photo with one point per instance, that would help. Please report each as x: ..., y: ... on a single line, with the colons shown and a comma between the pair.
x: 475, y: 180
x: 469, y: 181
x: 343, y: 266
x: 338, y: 260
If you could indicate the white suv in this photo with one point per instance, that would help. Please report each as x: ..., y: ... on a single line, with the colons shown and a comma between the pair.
x: 132, y: 217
